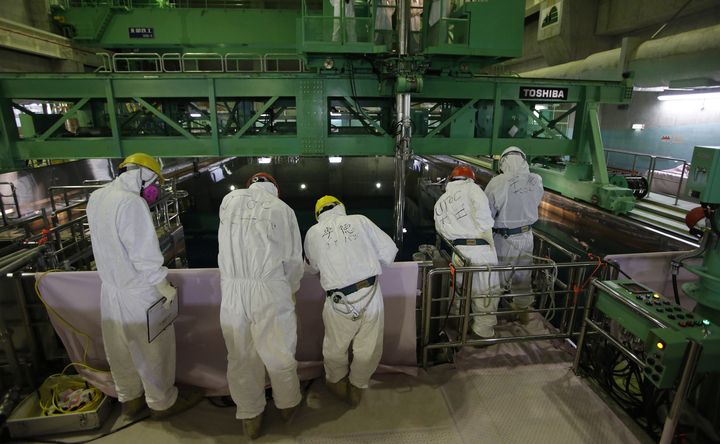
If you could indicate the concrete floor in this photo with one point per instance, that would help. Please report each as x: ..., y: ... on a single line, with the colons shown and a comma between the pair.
x: 505, y: 394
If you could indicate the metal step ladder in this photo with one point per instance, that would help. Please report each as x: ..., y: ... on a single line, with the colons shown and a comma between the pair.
x: 9, y: 206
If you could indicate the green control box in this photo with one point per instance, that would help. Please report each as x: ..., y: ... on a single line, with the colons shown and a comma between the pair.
x: 664, y: 347
x: 704, y: 178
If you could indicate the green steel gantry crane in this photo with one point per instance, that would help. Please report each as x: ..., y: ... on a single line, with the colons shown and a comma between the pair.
x: 307, y: 80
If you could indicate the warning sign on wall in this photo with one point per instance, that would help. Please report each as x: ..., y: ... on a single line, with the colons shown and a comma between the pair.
x: 550, y: 16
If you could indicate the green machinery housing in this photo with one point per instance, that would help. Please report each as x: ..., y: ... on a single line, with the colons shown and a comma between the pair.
x: 664, y: 328
x: 298, y: 78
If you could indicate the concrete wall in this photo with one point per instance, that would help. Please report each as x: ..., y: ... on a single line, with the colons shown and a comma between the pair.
x: 33, y: 13
x: 672, y: 128
x: 591, y: 26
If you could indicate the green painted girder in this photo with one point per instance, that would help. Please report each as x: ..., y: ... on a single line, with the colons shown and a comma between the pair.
x: 311, y: 93
x: 178, y: 146
x: 199, y: 29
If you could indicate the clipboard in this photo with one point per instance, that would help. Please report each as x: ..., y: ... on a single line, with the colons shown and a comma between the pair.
x: 159, y: 318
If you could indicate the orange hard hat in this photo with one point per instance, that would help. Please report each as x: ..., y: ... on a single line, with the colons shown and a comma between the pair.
x: 693, y: 217
x: 462, y: 171
x: 262, y: 177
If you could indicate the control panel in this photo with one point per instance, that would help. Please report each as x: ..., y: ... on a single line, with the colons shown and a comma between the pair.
x: 664, y: 328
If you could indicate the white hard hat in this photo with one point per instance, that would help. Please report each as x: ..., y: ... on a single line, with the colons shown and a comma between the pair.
x: 512, y: 149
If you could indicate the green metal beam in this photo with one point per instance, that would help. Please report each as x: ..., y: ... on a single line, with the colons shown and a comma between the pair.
x: 256, y: 116
x: 112, y: 116
x: 452, y: 118
x: 360, y: 114
x: 8, y: 134
x: 497, y: 117
x: 21, y: 108
x: 311, y: 93
x: 537, y: 119
x: 214, y: 128
x: 174, y: 125
x: 61, y: 121
x: 597, y: 150
x: 553, y: 122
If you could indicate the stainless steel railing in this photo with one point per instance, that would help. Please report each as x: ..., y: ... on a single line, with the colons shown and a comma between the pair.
x: 652, y: 167
x: 567, y: 300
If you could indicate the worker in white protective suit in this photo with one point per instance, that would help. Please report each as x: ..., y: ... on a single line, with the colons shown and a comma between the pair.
x: 261, y: 267
x: 439, y: 9
x: 349, y: 252
x: 514, y: 196
x: 416, y: 10
x: 130, y: 265
x: 346, y: 6
x: 462, y: 216
x: 384, y: 22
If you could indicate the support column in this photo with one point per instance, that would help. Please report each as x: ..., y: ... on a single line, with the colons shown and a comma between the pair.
x: 402, y: 145
x: 402, y: 155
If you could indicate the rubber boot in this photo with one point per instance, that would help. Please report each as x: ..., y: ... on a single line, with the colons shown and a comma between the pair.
x: 186, y: 399
x: 472, y: 336
x: 134, y: 408
x: 354, y: 395
x: 339, y: 389
x: 253, y: 426
x: 289, y: 413
x: 523, y: 317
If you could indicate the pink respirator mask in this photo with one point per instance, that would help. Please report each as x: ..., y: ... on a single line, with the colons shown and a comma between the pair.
x: 150, y: 193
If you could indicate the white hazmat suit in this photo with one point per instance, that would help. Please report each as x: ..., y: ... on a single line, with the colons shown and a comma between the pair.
x: 514, y: 196
x: 346, y: 250
x: 463, y: 213
x: 261, y: 266
x: 349, y: 23
x: 130, y: 264
x: 384, y: 15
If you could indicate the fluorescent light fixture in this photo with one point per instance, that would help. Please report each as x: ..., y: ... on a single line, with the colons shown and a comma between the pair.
x: 303, y: 186
x: 541, y: 107
x: 696, y: 96
x: 232, y: 187
x: 195, y: 115
x: 638, y: 126
x: 264, y: 159
x: 335, y: 159
x: 378, y: 185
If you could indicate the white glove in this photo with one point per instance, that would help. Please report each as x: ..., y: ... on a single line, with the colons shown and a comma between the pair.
x: 167, y: 291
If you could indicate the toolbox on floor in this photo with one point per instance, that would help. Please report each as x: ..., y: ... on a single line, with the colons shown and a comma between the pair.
x: 28, y: 420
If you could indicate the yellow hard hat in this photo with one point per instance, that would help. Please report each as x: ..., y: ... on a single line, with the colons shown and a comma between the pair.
x: 144, y: 160
x: 323, y: 202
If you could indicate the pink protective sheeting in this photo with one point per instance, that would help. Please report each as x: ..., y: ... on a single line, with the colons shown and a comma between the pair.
x: 654, y: 271
x: 201, y: 353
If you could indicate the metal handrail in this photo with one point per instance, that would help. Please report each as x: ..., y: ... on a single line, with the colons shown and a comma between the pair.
x: 652, y: 167
x: 161, y: 62
x: 240, y: 56
x: 197, y: 57
x: 171, y: 56
x: 277, y: 57
x: 129, y: 57
x: 440, y: 239
x: 106, y: 62
x: 567, y: 294
x: 16, y: 204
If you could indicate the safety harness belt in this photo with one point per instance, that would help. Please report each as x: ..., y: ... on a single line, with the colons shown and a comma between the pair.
x: 505, y: 232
